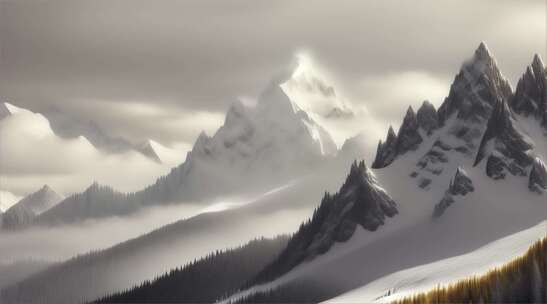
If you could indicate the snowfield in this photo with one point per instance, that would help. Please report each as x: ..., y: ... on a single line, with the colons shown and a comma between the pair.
x: 447, y: 271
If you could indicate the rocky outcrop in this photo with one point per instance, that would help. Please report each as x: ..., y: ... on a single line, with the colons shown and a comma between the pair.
x: 461, y: 184
x: 427, y: 117
x: 360, y: 202
x: 504, y: 145
x: 530, y: 97
x: 407, y: 139
x: 476, y: 89
x: 386, y: 152
x: 537, y: 180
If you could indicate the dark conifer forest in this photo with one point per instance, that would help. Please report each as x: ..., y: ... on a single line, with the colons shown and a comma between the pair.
x: 205, y: 280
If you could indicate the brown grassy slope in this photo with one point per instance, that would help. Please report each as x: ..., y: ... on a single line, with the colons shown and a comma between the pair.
x: 522, y: 280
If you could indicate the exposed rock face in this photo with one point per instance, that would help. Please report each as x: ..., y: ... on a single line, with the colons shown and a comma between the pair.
x: 461, y: 184
x: 476, y: 89
x: 531, y: 94
x: 504, y: 145
x: 427, y: 117
x: 407, y: 139
x: 537, y: 181
x: 360, y: 201
x: 495, y: 167
x: 386, y: 152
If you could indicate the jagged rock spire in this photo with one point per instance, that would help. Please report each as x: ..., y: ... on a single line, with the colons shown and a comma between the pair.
x: 504, y: 145
x: 530, y: 97
x: 408, y: 137
x: 537, y: 180
x: 360, y: 201
x: 461, y: 184
x: 386, y: 151
x: 482, y: 52
x: 509, y: 142
x: 427, y: 117
x: 476, y: 89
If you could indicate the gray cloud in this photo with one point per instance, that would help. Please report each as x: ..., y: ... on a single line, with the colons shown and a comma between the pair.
x: 197, y: 56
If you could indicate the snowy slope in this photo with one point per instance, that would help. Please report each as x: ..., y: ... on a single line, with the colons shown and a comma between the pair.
x: 426, y: 277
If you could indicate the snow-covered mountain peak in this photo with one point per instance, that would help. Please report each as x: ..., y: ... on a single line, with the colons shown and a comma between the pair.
x: 482, y: 52
x: 313, y: 90
x: 274, y: 104
x: 530, y: 97
x: 537, y: 65
x: 308, y: 77
x: 476, y: 89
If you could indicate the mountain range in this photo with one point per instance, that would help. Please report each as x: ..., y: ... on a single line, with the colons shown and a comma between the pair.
x: 481, y: 146
x: 257, y: 146
x: 478, y: 159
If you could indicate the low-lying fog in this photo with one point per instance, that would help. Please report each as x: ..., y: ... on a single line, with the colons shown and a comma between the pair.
x: 61, y: 242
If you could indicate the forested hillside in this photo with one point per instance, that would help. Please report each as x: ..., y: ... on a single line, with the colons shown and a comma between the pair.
x: 207, y: 279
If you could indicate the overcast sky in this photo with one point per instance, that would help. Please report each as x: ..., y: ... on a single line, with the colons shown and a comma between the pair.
x: 167, y: 69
